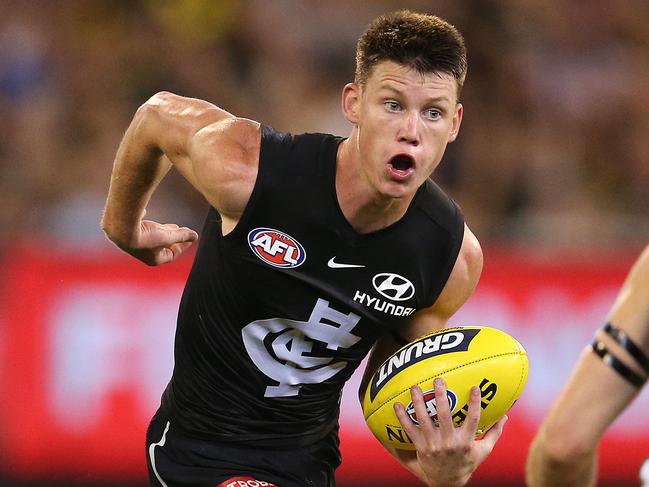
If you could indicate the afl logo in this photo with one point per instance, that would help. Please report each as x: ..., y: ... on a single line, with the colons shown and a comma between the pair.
x: 276, y: 248
x: 393, y: 286
x: 431, y: 407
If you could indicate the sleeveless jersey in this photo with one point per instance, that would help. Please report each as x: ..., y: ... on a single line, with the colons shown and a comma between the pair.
x: 277, y: 314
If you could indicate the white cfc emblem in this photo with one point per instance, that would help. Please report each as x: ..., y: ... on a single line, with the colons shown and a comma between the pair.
x: 287, y: 358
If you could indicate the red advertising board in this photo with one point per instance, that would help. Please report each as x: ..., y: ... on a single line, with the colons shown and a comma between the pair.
x: 86, y: 348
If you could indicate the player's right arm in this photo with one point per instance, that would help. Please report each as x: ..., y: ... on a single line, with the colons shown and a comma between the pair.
x: 445, y: 456
x: 214, y: 150
x: 564, y: 451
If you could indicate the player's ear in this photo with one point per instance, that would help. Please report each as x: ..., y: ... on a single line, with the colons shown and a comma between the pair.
x: 351, y: 101
x: 457, y: 121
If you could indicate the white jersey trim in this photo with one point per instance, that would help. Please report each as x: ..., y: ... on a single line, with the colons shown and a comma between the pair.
x: 152, y: 456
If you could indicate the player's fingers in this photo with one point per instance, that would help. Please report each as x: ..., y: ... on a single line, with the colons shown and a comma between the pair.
x: 172, y: 236
x: 497, y: 429
x: 158, y: 256
x: 470, y: 425
x: 491, y: 437
x: 444, y: 419
x: 425, y: 422
x: 164, y: 255
x: 188, y: 235
x: 408, y: 426
x: 179, y: 248
x: 192, y: 235
x: 163, y: 235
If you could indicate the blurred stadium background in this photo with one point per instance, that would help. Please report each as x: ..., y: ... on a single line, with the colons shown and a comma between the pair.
x: 551, y: 169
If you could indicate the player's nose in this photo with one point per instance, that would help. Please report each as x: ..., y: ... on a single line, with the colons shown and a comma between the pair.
x: 409, y: 128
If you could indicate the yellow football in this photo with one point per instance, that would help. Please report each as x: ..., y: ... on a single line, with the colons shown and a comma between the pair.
x: 463, y: 356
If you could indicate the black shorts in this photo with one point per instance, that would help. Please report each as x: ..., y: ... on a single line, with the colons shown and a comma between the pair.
x: 175, y: 459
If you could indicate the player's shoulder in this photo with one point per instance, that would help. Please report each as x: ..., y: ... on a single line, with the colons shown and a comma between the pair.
x: 308, y: 152
x: 440, y: 210
x: 304, y: 140
x: 471, y: 255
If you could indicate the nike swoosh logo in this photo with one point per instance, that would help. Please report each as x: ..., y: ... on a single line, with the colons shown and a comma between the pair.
x: 339, y: 265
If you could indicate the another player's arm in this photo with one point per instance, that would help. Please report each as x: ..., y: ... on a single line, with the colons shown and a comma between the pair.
x: 564, y: 451
x: 445, y: 456
x: 215, y: 151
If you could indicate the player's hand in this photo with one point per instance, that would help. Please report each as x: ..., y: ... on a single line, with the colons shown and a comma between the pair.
x: 447, y: 455
x: 157, y: 243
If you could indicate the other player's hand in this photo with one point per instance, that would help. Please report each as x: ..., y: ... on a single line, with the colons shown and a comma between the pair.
x: 159, y: 243
x: 447, y: 455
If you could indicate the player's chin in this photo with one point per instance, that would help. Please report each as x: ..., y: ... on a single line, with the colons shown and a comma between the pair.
x: 400, y: 189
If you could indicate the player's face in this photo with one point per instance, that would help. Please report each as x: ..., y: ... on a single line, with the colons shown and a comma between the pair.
x: 404, y: 120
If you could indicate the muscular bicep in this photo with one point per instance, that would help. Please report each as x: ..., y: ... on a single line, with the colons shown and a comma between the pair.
x: 225, y: 161
x: 214, y: 150
x: 169, y: 122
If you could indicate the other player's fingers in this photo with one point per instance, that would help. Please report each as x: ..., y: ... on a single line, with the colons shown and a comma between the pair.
x: 470, y: 425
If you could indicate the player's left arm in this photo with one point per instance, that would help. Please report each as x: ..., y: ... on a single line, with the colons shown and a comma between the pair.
x: 446, y: 456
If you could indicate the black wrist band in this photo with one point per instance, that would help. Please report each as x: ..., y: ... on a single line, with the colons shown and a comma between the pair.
x: 617, y: 365
x: 625, y: 342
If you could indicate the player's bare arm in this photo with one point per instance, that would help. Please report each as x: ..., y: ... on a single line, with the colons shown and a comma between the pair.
x: 445, y: 456
x: 215, y: 151
x: 564, y: 451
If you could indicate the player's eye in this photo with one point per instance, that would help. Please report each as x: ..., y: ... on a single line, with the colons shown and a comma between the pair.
x: 392, y: 106
x: 432, y: 113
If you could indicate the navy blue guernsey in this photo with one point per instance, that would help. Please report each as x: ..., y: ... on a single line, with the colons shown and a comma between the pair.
x: 277, y: 314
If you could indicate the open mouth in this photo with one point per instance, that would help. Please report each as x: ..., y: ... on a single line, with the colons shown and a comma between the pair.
x: 401, y: 165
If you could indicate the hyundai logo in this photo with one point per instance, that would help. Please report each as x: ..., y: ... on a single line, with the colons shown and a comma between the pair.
x: 393, y: 286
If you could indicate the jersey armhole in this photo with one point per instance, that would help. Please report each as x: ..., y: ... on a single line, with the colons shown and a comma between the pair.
x: 455, y: 230
x: 268, y: 148
x: 458, y: 238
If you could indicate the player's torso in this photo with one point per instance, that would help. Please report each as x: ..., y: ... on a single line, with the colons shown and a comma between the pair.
x: 280, y: 311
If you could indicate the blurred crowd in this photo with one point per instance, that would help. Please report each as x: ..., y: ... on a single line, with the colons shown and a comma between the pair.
x: 553, y: 149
